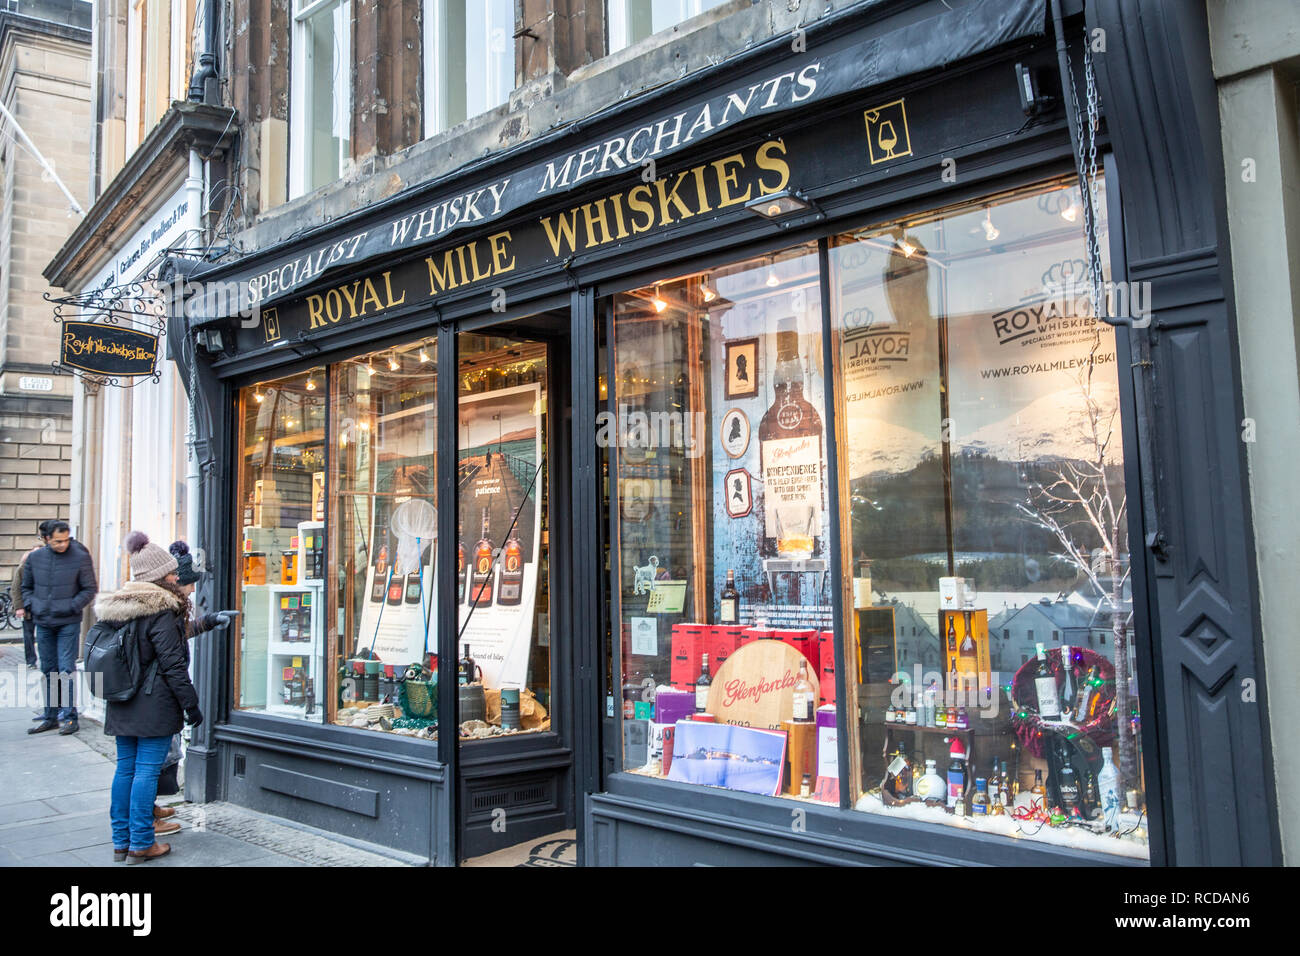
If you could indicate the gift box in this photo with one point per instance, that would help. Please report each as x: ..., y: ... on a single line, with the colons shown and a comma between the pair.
x: 826, y: 666
x: 689, y: 643
x: 828, y: 756
x: 721, y: 641
x: 672, y: 705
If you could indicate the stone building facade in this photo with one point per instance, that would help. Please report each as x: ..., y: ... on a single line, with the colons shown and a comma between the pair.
x: 45, y: 84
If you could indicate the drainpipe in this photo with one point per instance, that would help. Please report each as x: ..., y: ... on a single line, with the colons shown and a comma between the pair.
x: 207, y: 63
x: 196, y: 188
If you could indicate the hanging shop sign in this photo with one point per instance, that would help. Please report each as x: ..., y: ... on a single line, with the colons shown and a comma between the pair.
x: 811, y: 77
x: 108, y: 351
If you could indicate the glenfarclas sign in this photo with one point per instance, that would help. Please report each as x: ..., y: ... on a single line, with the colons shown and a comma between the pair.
x: 108, y: 350
x: 817, y: 73
x: 754, y: 687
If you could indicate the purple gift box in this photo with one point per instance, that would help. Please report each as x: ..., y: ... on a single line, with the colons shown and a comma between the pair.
x: 673, y: 705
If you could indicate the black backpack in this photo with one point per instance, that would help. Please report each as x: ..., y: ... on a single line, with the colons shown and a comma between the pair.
x: 113, y: 661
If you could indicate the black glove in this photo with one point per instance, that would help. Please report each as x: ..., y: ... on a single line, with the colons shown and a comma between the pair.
x: 193, y: 716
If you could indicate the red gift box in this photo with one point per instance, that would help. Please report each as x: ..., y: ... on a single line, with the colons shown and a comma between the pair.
x: 826, y: 643
x: 803, y: 640
x: 689, y: 642
x: 721, y: 642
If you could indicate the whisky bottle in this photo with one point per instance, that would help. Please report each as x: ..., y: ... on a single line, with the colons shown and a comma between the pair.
x: 1067, y: 780
x: 381, y: 566
x: 466, y: 669
x: 702, y: 685
x: 790, y: 458
x: 805, y: 697
x: 460, y: 569
x: 952, y: 636
x: 480, y: 588
x: 511, y: 587
x: 1067, y: 683
x: 729, y: 601
x: 1049, y: 701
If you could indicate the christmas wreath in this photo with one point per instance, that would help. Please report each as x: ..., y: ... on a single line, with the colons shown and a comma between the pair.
x: 1097, y: 724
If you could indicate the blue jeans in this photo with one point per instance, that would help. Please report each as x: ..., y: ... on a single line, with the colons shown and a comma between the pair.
x: 135, y: 785
x: 58, y: 650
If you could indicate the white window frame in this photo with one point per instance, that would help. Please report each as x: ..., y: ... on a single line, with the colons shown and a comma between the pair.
x: 617, y: 21
x: 300, y: 106
x: 434, y: 15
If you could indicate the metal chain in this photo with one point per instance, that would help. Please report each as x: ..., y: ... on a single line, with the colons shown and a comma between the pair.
x: 1086, y: 166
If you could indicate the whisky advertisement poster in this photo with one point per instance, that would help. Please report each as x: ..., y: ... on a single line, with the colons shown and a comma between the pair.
x: 499, y: 482
x: 768, y: 450
x: 889, y: 353
x: 1024, y: 373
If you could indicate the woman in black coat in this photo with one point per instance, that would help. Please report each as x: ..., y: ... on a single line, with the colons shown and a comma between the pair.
x: 144, y: 725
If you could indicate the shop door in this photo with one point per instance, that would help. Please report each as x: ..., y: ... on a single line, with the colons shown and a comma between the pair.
x: 515, y: 773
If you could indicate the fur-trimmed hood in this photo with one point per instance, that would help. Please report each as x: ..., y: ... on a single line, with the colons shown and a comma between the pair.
x: 136, y: 599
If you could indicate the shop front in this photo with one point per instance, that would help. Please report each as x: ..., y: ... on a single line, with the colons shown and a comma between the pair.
x: 742, y: 478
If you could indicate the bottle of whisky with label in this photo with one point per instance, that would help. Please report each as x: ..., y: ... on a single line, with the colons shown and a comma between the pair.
x: 480, y: 585
x: 790, y: 458
x: 511, y: 588
x: 729, y: 601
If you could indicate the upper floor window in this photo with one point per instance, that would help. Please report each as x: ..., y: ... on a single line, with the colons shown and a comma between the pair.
x: 631, y: 20
x: 469, y: 65
x: 321, y: 101
x: 159, y: 52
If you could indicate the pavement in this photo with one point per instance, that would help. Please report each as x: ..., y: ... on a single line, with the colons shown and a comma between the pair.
x: 55, y: 795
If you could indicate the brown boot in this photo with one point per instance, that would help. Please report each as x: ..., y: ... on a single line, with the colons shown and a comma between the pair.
x: 144, y: 856
x: 162, y: 813
x: 164, y: 827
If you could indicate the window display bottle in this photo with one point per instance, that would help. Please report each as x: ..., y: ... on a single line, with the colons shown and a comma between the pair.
x: 381, y: 567
x: 931, y: 786
x: 898, y: 775
x: 480, y: 587
x: 729, y: 601
x: 1089, y: 693
x: 790, y: 457
x: 702, y: 686
x: 1038, y: 789
x: 1049, y: 706
x: 979, y: 801
x: 1067, y: 779
x: 952, y: 638
x: 460, y: 564
x: 511, y: 589
x: 467, y: 668
x: 967, y: 651
x: 1067, y: 683
x: 931, y: 693
x: 1004, y: 786
x: 957, y: 776
x: 1108, y: 790
x: 805, y: 697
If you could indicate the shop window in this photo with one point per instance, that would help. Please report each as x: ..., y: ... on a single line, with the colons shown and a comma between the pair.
x: 321, y: 94
x: 628, y: 21
x: 279, y: 668
x: 469, y: 59
x: 979, y: 402
x: 383, y: 537
x: 503, y: 576
x: 716, y: 438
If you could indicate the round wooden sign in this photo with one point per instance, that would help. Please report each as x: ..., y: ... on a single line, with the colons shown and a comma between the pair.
x: 754, y: 687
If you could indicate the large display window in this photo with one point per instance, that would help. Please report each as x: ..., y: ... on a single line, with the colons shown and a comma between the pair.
x: 503, y: 566
x: 986, y: 526
x: 279, y: 667
x: 716, y: 430
x: 987, y: 624
x: 383, y: 516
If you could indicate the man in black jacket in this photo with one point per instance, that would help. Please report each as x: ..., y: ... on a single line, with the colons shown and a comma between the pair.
x: 58, y: 583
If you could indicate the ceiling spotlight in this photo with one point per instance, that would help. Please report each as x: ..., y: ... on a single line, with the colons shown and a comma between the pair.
x: 772, y: 280
x: 259, y: 397
x: 708, y: 293
x: 368, y: 368
x: 1070, y: 212
x: 909, y: 250
x: 990, y: 230
x: 311, y: 381
x: 424, y: 355
x: 776, y: 205
x: 657, y: 302
x: 393, y: 365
